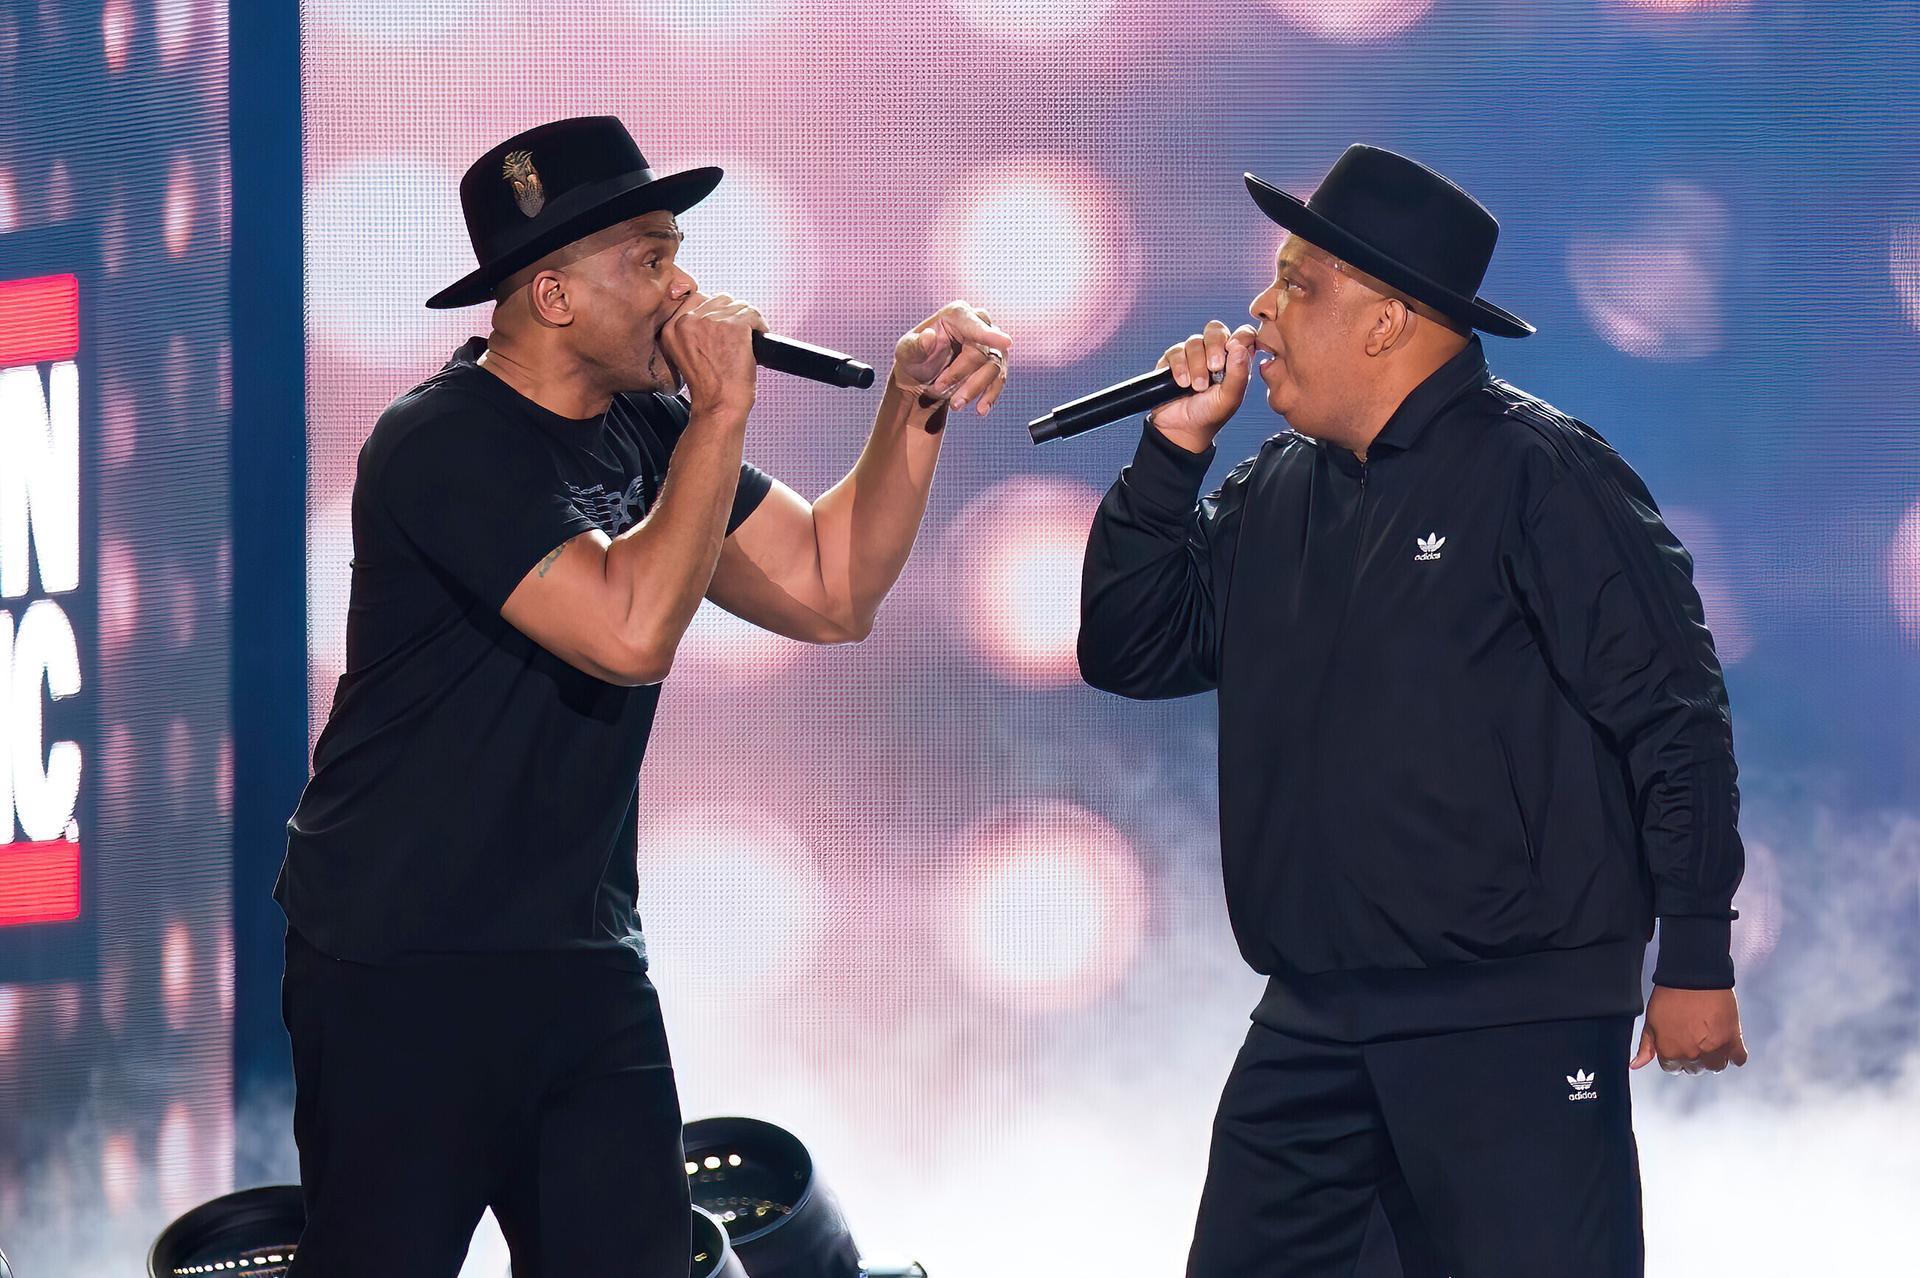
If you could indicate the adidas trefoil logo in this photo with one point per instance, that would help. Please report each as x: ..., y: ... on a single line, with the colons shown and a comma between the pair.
x: 1582, y: 1083
x: 1429, y: 547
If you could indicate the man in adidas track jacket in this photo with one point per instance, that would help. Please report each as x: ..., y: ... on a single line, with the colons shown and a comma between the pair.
x: 1473, y: 741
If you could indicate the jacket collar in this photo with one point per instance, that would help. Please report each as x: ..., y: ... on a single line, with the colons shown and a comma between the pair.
x: 1423, y: 403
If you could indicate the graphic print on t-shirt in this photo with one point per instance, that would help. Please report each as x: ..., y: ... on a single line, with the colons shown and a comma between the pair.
x: 610, y: 511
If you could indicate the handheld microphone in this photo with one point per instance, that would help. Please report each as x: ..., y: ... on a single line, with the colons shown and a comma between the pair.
x: 815, y: 363
x: 1116, y: 403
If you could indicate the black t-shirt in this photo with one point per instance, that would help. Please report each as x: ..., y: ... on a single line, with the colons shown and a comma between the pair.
x: 471, y: 791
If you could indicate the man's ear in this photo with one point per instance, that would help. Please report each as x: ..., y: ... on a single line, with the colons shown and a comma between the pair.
x: 547, y: 294
x: 1393, y: 322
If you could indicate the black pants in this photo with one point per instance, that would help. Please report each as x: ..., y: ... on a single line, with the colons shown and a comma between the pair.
x: 538, y: 1085
x: 1488, y: 1160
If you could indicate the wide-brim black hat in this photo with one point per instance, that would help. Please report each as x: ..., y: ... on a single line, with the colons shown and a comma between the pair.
x: 545, y: 188
x: 1403, y: 224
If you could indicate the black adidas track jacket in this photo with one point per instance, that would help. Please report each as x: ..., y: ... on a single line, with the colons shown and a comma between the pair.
x: 1473, y: 734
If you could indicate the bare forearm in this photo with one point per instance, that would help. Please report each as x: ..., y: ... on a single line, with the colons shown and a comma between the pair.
x: 865, y: 525
x: 658, y: 571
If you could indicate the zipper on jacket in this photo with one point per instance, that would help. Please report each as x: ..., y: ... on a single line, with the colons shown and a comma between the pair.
x: 1359, y: 539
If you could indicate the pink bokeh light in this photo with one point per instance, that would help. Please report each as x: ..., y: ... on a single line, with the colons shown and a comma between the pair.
x: 176, y: 975
x: 1014, y: 554
x: 119, y: 1172
x: 59, y: 192
x: 1651, y: 286
x: 13, y: 1014
x: 1034, y: 21
x: 1047, y: 907
x: 1044, y: 245
x: 721, y: 643
x: 1727, y: 615
x: 173, y: 1156
x: 416, y: 22
x: 177, y: 214
x: 223, y: 777
x: 116, y: 33
x: 119, y: 597
x: 733, y: 904
x: 1757, y: 931
x: 66, y: 1001
x: 120, y: 422
x: 116, y: 764
x: 1903, y: 573
x: 173, y: 27
x: 754, y: 240
x: 223, y: 973
x: 329, y: 584
x: 114, y: 236
x: 393, y: 218
x: 1903, y: 264
x: 1351, y: 21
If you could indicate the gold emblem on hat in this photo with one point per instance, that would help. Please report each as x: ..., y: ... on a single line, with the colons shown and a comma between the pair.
x: 528, y: 193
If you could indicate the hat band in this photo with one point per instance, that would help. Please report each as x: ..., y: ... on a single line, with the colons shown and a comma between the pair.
x: 562, y: 210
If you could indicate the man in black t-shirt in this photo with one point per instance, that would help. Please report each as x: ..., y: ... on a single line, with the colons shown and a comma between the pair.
x: 534, y: 527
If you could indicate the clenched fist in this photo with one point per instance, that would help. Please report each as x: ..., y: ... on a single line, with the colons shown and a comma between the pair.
x: 1193, y: 420
x: 710, y: 342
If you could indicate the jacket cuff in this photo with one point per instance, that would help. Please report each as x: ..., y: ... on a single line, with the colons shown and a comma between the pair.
x: 1695, y: 953
x: 1166, y: 476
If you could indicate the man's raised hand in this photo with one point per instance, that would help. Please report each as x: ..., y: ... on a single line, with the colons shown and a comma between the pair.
x: 956, y: 355
x: 1192, y: 421
x: 710, y: 342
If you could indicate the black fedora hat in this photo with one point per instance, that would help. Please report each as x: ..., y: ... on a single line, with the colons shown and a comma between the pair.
x: 1403, y: 224
x: 555, y: 184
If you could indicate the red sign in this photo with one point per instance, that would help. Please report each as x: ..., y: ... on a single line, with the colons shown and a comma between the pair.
x: 39, y: 882
x: 40, y: 544
x: 39, y: 320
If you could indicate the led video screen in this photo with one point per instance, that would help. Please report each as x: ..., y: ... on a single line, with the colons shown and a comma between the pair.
x: 955, y: 917
x: 116, y: 990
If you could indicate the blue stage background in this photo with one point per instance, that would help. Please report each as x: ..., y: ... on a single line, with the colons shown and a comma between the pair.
x: 955, y: 917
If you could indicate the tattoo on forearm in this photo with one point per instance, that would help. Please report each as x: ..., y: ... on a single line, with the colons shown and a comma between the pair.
x: 548, y: 562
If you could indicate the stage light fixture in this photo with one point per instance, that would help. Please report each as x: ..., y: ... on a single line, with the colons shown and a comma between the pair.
x: 255, y: 1230
x: 713, y: 1255
x: 759, y: 1181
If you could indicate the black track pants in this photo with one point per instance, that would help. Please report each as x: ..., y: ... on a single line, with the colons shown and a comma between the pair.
x: 1491, y: 1152
x: 537, y: 1085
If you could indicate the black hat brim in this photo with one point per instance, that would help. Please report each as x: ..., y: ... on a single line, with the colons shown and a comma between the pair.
x: 675, y: 193
x: 1293, y: 214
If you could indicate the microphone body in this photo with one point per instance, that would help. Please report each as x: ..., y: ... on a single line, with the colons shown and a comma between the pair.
x: 815, y: 363
x: 1117, y: 402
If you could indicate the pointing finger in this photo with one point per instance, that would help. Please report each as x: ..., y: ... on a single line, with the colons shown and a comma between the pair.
x: 970, y: 328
